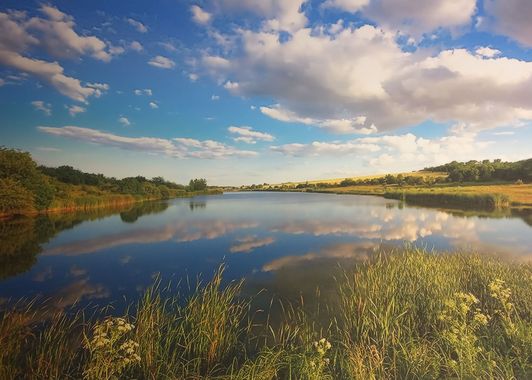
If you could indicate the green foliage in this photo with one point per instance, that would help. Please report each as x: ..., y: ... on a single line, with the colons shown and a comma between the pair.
x: 20, y: 167
x: 486, y: 170
x: 411, y: 314
x: 450, y: 200
x: 197, y: 184
x: 15, y: 198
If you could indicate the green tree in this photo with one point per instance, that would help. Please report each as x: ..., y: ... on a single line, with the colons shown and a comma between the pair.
x: 197, y: 184
x: 15, y: 198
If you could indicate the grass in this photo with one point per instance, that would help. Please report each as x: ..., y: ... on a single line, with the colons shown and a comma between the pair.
x: 408, y: 314
x: 459, y: 195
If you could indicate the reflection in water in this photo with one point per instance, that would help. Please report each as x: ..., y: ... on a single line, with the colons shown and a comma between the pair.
x: 356, y: 252
x: 21, y: 238
x: 132, y: 215
x: 177, y: 231
x: 195, y: 205
x: 112, y: 254
x: 250, y: 243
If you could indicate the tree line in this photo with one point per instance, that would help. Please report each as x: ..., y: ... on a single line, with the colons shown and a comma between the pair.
x: 486, y: 170
x: 27, y: 187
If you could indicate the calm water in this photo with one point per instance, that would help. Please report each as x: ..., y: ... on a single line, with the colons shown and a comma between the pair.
x: 281, y: 239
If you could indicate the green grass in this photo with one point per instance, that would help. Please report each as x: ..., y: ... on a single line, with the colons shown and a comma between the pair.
x: 405, y: 314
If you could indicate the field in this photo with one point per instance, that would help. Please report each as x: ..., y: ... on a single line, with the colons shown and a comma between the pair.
x: 518, y: 195
x: 408, y: 314
x: 420, y: 173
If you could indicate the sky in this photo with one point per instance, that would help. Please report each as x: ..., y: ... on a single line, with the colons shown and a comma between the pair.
x: 253, y: 91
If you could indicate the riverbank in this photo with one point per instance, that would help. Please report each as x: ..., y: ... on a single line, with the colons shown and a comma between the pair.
x: 485, y: 196
x: 87, y: 202
x: 408, y: 314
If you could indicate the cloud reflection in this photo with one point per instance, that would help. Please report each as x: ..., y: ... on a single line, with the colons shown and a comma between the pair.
x: 250, y: 243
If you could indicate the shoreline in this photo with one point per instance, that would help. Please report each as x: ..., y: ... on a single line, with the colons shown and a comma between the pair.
x: 109, y: 204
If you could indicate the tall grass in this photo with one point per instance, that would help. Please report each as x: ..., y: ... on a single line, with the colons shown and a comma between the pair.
x: 461, y: 200
x: 408, y: 314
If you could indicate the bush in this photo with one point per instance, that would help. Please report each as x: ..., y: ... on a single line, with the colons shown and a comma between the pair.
x: 15, y: 198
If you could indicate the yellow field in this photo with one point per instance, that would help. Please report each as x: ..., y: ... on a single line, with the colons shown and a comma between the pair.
x: 518, y: 194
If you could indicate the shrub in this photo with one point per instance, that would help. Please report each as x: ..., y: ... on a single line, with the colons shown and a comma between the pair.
x: 15, y: 198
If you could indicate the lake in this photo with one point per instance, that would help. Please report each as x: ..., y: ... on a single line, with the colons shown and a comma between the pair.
x: 286, y: 241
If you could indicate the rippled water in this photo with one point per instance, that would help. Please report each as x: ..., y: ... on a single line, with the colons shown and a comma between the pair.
x: 109, y: 255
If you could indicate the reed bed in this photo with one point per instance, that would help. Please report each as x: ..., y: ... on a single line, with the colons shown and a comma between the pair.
x: 408, y: 314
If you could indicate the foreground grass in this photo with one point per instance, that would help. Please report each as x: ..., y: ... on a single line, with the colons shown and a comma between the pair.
x: 410, y: 314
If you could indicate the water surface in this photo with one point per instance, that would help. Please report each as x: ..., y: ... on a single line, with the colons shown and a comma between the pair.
x: 283, y: 239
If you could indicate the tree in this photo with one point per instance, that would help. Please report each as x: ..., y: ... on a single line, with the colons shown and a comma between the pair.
x: 15, y: 198
x: 20, y: 167
x: 197, y: 184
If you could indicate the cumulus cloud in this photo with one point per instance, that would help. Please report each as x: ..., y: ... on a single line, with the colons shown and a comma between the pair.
x: 283, y: 15
x: 487, y: 52
x: 395, y: 152
x: 359, y: 80
x: 199, y: 15
x: 248, y: 135
x: 46, y: 108
x: 124, y: 121
x: 511, y: 18
x: 177, y: 147
x: 54, y: 33
x: 141, y: 28
x: 161, y: 62
x: 412, y: 17
x: 153, y: 105
x: 74, y: 110
x: 136, y: 46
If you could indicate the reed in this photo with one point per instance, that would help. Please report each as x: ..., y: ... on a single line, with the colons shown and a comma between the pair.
x: 405, y: 314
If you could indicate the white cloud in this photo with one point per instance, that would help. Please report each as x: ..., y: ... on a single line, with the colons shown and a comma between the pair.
x: 353, y: 125
x: 141, y: 28
x: 412, y: 17
x: 504, y: 133
x: 199, y: 15
x: 74, y: 110
x: 193, y: 77
x: 362, y: 74
x: 153, y: 105
x: 145, y: 91
x: 487, y: 52
x: 394, y: 153
x: 511, y: 18
x: 177, y: 147
x: 136, y: 46
x: 46, y: 108
x: 55, y: 34
x: 283, y: 15
x: 124, y: 121
x: 248, y: 135
x: 161, y: 62
x: 168, y: 46
x: 215, y: 97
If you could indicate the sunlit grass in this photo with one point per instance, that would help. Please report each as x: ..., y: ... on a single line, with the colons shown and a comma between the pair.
x: 407, y: 314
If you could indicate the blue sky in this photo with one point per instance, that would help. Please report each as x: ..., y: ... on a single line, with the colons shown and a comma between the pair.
x: 246, y: 91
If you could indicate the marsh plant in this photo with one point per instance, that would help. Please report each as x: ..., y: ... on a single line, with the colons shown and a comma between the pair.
x: 410, y: 314
x: 111, y: 349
